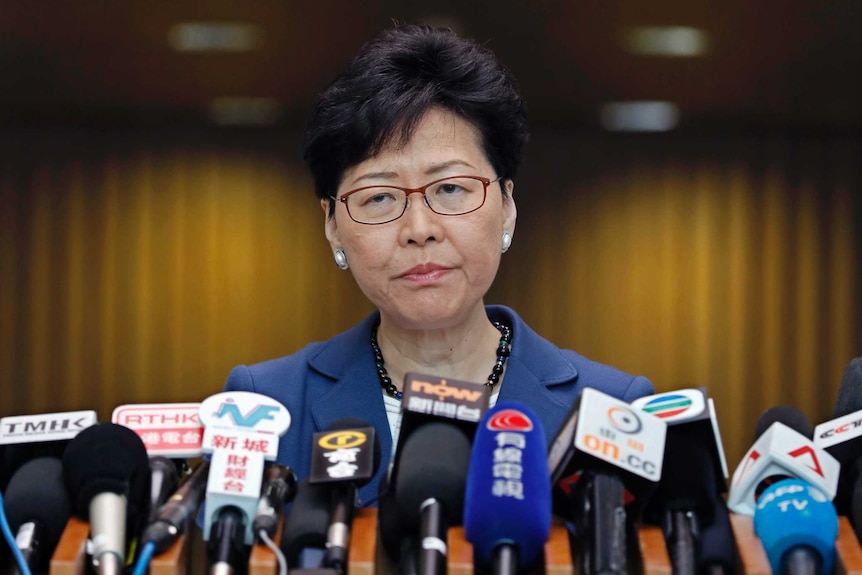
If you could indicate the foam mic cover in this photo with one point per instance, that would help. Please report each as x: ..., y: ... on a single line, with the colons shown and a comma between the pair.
x: 36, y: 493
x: 508, y: 494
x: 108, y: 458
x: 433, y: 465
x: 16, y: 455
x: 717, y: 550
x: 308, y: 521
x: 786, y: 414
x: 850, y: 393
x: 792, y: 518
x: 687, y: 481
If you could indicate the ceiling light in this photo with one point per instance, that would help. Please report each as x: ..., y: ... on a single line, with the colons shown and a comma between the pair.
x: 215, y: 37
x: 670, y: 41
x: 230, y: 111
x: 639, y: 116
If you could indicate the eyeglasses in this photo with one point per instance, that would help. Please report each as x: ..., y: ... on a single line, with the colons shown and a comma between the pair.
x: 454, y: 196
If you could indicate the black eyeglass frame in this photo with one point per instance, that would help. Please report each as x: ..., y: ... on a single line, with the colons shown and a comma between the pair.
x: 420, y: 190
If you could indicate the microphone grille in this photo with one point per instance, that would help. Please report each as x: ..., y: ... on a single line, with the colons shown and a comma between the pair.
x: 36, y: 493
x: 106, y: 457
x: 789, y: 416
x: 850, y: 393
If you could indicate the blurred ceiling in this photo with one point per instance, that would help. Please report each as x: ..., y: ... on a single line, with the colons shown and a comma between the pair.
x: 787, y: 64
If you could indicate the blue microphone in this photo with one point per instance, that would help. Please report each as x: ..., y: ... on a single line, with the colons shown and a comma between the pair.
x: 798, y: 525
x: 507, y: 502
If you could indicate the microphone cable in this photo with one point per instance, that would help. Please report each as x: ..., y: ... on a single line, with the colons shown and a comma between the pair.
x: 10, y: 538
x: 279, y: 556
x: 147, y: 552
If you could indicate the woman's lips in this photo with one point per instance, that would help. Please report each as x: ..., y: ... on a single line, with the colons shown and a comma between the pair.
x: 425, y: 273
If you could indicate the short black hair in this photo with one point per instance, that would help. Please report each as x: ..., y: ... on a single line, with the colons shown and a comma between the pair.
x: 390, y: 84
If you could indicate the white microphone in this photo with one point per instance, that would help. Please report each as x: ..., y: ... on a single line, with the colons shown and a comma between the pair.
x: 605, y: 452
x: 781, y: 452
x: 241, y: 431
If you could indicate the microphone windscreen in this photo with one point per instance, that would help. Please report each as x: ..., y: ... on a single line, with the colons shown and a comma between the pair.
x: 786, y: 414
x: 107, y: 458
x: 390, y: 528
x: 433, y: 465
x: 687, y: 478
x: 850, y: 393
x: 717, y: 543
x: 508, y: 493
x: 307, y: 522
x: 37, y: 493
x: 356, y: 423
x: 17, y: 454
x: 791, y: 514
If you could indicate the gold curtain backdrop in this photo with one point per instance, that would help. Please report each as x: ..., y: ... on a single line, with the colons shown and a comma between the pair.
x: 141, y: 267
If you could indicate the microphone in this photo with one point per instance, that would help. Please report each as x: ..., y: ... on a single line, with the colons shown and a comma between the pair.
x: 26, y: 437
x: 173, y: 518
x: 693, y: 475
x: 171, y: 433
x: 429, y: 488
x: 37, y: 508
x: 164, y: 479
x: 427, y: 399
x: 507, y: 502
x: 279, y: 487
x: 241, y: 431
x: 344, y: 457
x: 605, y: 455
x: 785, y: 480
x: 106, y: 471
x: 842, y: 438
x: 798, y: 526
x: 303, y: 539
x: 717, y: 554
x: 397, y: 541
x: 778, y: 453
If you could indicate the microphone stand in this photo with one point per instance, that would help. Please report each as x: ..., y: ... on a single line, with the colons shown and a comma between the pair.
x: 601, y: 524
x: 432, y: 539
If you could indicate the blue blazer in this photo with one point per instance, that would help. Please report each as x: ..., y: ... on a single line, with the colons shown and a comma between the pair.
x: 326, y: 381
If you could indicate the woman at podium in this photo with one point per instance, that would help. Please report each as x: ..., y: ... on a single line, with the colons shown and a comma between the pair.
x: 414, y: 151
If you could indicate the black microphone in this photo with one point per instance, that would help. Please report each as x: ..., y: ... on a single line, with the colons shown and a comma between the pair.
x: 693, y: 473
x: 107, y: 473
x: 429, y: 488
x: 164, y: 479
x: 37, y: 508
x: 303, y: 539
x: 842, y: 438
x: 279, y: 487
x: 226, y: 546
x: 717, y: 554
x: 26, y: 437
x: 790, y: 416
x: 397, y: 541
x: 344, y: 457
x: 173, y: 517
x: 605, y: 453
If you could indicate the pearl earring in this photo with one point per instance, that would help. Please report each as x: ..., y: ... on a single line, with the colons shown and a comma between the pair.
x: 341, y: 259
x: 507, y: 241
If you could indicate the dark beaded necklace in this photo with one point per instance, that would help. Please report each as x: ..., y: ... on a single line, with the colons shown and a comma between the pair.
x: 503, y: 349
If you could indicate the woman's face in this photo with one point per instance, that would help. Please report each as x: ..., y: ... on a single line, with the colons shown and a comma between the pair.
x: 425, y: 270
